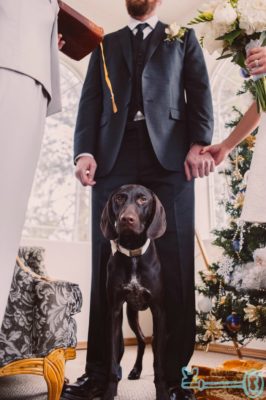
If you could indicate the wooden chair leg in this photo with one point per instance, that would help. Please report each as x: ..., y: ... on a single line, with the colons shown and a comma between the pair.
x: 54, y: 372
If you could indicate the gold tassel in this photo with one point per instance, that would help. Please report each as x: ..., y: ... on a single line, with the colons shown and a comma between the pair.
x: 108, y: 82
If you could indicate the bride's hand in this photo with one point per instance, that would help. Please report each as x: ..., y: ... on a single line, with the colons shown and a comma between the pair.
x: 218, y: 152
x: 256, y: 60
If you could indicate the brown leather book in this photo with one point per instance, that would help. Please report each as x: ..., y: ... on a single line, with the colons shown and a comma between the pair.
x: 80, y: 34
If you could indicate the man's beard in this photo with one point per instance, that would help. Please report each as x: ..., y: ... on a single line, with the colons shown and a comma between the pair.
x: 138, y: 8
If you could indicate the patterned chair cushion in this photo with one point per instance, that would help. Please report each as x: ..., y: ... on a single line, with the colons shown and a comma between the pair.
x: 38, y: 316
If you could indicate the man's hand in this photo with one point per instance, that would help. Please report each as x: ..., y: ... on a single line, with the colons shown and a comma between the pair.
x: 85, y: 170
x: 197, y: 164
x: 61, y: 42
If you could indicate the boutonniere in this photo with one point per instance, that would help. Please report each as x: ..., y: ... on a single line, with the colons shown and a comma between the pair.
x: 174, y: 32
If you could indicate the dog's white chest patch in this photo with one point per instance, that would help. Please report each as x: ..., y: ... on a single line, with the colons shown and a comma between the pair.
x: 136, y: 294
x: 134, y: 280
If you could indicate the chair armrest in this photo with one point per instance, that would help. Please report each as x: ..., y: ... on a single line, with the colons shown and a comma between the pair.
x: 54, y: 327
x: 33, y: 274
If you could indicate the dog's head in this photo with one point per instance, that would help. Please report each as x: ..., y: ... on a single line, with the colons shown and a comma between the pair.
x: 133, y: 210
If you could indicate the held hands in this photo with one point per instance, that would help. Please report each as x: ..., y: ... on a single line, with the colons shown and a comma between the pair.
x: 218, y: 152
x: 256, y: 60
x: 198, y: 164
x: 85, y: 170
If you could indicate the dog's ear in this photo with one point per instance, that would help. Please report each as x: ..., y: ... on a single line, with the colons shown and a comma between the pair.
x: 157, y: 226
x: 108, y: 221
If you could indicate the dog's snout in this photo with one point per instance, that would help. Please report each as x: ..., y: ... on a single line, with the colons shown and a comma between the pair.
x: 128, y: 218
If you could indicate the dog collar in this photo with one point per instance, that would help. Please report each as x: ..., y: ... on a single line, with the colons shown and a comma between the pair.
x: 115, y: 246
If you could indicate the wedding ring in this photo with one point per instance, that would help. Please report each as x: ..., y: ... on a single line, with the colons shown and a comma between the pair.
x: 257, y: 64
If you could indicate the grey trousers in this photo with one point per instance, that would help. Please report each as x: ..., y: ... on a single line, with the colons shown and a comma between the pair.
x: 23, y: 107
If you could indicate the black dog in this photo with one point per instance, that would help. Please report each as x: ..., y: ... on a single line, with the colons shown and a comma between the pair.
x: 133, y: 217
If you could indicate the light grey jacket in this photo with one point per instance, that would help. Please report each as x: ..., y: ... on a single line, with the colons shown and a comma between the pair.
x: 29, y: 43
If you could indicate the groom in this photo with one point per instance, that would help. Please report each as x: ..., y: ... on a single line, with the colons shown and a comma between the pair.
x: 164, y: 118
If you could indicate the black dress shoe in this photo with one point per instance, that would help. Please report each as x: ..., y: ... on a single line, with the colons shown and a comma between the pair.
x: 84, y: 388
x: 178, y: 393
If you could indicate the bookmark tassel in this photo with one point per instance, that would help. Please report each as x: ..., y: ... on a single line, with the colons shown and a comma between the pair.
x: 108, y: 82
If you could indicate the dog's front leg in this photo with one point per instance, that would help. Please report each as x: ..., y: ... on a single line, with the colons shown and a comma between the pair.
x: 115, y: 333
x: 158, y: 346
x: 133, y: 321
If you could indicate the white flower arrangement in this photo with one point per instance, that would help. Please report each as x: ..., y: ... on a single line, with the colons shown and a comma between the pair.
x: 229, y: 26
x: 252, y: 15
x: 174, y: 32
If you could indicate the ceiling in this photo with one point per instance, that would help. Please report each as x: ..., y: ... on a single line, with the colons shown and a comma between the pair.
x: 111, y: 14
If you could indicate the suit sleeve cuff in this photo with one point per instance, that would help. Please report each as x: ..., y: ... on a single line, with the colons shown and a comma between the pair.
x: 82, y: 155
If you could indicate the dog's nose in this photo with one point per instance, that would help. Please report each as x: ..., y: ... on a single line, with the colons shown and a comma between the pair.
x: 128, y: 218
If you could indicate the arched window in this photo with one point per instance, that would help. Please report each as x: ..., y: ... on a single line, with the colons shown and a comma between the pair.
x: 58, y: 207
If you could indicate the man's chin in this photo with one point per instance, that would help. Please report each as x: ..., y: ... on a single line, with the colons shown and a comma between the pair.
x: 140, y: 8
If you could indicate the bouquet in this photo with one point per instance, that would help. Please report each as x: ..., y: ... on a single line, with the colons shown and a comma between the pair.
x: 232, y: 28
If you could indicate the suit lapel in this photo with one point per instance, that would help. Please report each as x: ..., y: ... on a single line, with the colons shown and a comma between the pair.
x: 156, y: 38
x: 125, y: 41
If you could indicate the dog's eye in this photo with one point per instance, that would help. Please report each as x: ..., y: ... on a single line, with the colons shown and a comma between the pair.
x: 119, y: 199
x: 141, y: 200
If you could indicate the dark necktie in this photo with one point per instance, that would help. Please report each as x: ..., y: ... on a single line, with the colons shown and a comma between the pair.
x: 140, y: 29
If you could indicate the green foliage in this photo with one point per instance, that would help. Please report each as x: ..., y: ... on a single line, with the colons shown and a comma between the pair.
x: 203, y: 16
x: 231, y: 36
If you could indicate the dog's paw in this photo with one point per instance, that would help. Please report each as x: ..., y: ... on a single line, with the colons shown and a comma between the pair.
x: 134, y: 374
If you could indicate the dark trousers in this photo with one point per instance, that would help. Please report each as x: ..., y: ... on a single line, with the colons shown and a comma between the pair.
x: 137, y: 163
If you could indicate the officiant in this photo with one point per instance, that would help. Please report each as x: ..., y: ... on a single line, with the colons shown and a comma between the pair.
x: 29, y: 91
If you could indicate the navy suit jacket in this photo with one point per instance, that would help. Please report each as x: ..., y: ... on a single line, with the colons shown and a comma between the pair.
x: 176, y: 99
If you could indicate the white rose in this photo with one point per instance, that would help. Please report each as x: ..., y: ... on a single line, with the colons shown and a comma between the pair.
x: 172, y: 29
x: 252, y: 15
x: 224, y: 14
